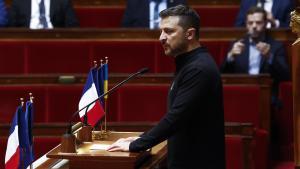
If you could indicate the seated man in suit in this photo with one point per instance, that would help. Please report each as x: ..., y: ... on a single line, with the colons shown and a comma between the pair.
x: 3, y: 14
x: 145, y: 13
x: 257, y: 52
x: 42, y: 14
x: 278, y: 11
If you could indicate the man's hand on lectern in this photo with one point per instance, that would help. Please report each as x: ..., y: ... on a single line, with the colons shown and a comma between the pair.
x: 122, y: 144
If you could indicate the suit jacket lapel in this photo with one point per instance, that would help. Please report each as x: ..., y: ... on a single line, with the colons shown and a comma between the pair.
x: 263, y: 64
x: 169, y: 3
x: 146, y: 15
x: 52, y: 8
x: 27, y: 8
x: 245, y: 56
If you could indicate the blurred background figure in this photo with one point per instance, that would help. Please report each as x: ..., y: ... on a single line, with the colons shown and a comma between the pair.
x: 278, y: 12
x: 42, y: 14
x: 145, y: 13
x: 3, y: 14
x: 258, y: 52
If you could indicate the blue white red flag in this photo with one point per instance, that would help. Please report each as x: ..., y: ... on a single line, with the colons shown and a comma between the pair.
x: 12, y: 155
x: 95, y: 111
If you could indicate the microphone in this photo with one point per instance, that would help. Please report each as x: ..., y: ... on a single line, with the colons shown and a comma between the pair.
x: 141, y: 71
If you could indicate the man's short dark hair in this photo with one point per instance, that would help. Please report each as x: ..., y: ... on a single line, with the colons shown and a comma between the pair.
x: 255, y: 9
x: 188, y: 17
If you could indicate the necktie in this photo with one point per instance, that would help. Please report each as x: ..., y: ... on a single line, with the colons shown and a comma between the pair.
x: 42, y: 18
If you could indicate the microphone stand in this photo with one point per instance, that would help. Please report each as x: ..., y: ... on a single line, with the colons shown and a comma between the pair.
x: 68, y: 139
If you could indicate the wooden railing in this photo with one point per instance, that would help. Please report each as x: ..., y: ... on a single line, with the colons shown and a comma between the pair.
x: 220, y: 34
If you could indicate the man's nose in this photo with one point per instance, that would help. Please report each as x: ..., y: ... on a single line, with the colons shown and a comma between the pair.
x: 162, y: 37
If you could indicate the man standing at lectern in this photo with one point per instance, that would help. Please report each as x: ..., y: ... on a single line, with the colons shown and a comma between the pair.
x: 194, y: 122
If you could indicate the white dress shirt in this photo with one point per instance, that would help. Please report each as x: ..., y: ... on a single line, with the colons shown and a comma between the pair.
x: 254, y: 59
x: 35, y: 14
x: 268, y: 8
x: 162, y: 6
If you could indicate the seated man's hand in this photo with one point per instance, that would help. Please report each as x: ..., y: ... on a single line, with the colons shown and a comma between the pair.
x: 271, y: 19
x: 264, y: 49
x: 122, y: 144
x: 237, y: 49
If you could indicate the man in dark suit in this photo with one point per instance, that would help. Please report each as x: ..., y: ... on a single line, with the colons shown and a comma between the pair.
x: 138, y: 13
x: 278, y: 11
x: 3, y: 14
x: 42, y: 14
x: 257, y: 52
x: 194, y: 122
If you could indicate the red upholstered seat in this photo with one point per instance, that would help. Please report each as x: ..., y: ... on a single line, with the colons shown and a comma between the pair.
x: 284, y: 121
x: 234, y: 149
x: 210, y: 16
x: 241, y: 104
x: 111, y: 16
x: 260, y: 149
x: 140, y: 102
x: 126, y: 56
x: 63, y: 102
x: 58, y: 57
x: 100, y: 17
x: 217, y: 49
x: 12, y: 57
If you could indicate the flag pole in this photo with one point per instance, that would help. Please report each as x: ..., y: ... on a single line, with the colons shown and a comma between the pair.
x: 105, y: 97
x: 103, y: 132
x: 101, y: 126
x: 31, y: 100
x: 22, y: 150
x: 95, y: 66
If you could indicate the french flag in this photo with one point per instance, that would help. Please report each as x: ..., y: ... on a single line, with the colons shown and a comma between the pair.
x: 95, y: 111
x: 12, y: 155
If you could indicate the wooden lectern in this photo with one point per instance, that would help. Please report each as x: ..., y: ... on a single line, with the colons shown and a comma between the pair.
x: 98, y: 158
x: 85, y: 157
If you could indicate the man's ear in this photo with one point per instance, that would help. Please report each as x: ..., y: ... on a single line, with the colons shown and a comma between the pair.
x: 190, y: 33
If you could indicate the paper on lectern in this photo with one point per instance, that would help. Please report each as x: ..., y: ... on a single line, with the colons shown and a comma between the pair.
x: 99, y: 146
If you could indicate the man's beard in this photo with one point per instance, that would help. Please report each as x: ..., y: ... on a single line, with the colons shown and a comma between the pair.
x: 178, y: 49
